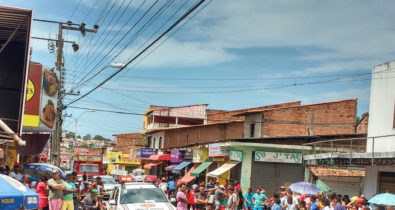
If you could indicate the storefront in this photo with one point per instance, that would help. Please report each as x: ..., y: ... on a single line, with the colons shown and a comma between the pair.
x: 268, y: 165
x: 219, y: 153
x: 157, y: 164
x: 143, y: 154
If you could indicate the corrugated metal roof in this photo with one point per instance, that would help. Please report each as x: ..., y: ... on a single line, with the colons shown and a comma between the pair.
x: 14, y: 24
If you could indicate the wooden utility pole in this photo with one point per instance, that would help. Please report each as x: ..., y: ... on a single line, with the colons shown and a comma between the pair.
x: 57, y: 133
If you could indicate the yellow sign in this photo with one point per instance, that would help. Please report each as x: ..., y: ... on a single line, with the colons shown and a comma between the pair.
x: 199, y: 155
x: 125, y: 159
x: 7, y: 200
x: 30, y: 90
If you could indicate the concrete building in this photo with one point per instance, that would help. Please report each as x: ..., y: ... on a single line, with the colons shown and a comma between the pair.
x: 381, y: 130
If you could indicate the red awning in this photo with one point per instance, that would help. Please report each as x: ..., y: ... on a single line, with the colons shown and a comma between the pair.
x: 188, y: 178
x: 160, y: 157
x: 149, y: 165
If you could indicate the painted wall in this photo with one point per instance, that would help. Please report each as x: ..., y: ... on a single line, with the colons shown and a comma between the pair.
x: 345, y: 185
x: 371, y: 179
x: 257, y: 120
x: 381, y: 110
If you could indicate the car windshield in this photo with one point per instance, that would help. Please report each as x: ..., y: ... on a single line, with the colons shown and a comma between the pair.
x: 89, y: 168
x: 108, y: 180
x: 143, y: 195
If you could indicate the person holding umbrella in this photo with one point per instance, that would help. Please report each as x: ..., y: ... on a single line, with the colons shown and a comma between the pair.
x: 56, y: 187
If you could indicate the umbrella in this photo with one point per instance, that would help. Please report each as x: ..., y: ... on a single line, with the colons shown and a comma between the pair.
x: 42, y: 169
x: 322, y: 186
x: 14, y: 195
x: 304, y: 188
x: 387, y: 199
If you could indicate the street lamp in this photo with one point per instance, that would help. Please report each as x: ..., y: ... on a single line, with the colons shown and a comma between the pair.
x: 76, y: 122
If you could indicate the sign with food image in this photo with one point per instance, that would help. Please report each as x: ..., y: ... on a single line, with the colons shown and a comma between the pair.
x: 49, y: 97
x: 50, y: 82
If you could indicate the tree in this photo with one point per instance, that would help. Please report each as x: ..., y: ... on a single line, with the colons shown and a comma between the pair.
x: 78, y: 137
x: 87, y: 137
x: 99, y: 137
x: 70, y: 135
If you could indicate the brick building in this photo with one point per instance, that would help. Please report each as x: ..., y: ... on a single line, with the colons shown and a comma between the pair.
x: 335, y: 117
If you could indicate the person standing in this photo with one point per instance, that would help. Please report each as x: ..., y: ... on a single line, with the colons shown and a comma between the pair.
x: 259, y: 199
x: 68, y: 203
x: 232, y: 200
x: 42, y: 191
x: 91, y: 202
x: 276, y: 205
x: 182, y: 198
x: 219, y: 197
x: 336, y: 203
x: 201, y: 199
x: 26, y: 181
x: 16, y: 174
x: 56, y: 187
x: 248, y: 199
x: 75, y: 194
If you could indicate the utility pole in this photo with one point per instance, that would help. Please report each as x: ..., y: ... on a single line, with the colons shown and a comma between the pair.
x: 57, y: 133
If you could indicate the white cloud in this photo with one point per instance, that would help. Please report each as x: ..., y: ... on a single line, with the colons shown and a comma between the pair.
x: 357, y: 33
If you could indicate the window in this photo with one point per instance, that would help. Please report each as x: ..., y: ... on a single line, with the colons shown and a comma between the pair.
x: 394, y: 118
x: 160, y: 143
x: 154, y: 143
x: 252, y: 129
x: 141, y: 195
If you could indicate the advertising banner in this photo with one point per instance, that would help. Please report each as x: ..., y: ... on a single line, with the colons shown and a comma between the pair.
x: 177, y: 156
x: 125, y: 159
x: 146, y: 152
x: 236, y: 155
x: 49, y: 97
x: 31, y: 115
x: 216, y: 150
x: 278, y: 157
x: 199, y: 155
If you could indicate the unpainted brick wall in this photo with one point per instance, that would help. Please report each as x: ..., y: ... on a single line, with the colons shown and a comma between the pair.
x: 329, y: 118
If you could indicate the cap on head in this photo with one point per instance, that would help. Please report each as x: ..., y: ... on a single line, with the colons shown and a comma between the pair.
x: 222, y: 187
x: 282, y: 187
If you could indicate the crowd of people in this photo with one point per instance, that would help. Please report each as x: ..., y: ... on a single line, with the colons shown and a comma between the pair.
x: 58, y: 194
x: 212, y: 196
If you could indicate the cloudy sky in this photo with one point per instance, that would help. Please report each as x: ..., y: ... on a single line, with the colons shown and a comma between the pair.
x: 230, y: 54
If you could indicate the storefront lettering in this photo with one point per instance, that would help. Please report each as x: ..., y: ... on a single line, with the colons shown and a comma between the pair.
x: 7, y: 200
x: 236, y: 156
x: 279, y: 157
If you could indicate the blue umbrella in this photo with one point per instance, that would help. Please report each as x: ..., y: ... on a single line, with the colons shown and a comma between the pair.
x: 43, y: 169
x: 14, y: 195
x: 304, y: 188
x: 387, y: 199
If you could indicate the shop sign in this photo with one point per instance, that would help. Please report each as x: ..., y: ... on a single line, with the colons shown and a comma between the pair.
x: 146, y: 152
x: 125, y: 159
x: 93, y: 158
x: 199, y: 155
x: 278, y: 157
x: 236, y: 155
x: 176, y: 156
x: 216, y: 150
x: 31, y: 116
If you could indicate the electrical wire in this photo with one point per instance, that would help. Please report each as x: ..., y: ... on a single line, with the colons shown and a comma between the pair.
x: 142, y: 52
x: 75, y: 9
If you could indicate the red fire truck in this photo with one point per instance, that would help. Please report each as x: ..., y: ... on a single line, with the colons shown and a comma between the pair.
x: 92, y: 165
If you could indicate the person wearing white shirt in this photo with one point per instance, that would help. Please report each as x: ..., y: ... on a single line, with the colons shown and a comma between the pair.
x: 16, y: 174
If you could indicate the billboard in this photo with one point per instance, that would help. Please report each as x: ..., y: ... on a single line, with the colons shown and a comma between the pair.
x: 41, y: 99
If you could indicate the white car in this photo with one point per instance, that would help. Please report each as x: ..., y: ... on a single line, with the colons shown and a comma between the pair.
x: 138, y: 195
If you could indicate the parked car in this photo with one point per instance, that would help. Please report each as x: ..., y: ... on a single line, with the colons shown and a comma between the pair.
x: 109, y: 185
x: 138, y: 195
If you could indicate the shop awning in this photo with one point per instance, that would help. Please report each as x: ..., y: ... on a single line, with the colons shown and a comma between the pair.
x: 322, y: 186
x: 150, y: 165
x: 224, y: 168
x: 180, y: 166
x: 188, y: 178
x: 170, y: 167
x: 201, y: 168
x: 160, y: 157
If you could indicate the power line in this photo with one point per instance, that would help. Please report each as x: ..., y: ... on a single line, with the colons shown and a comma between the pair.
x: 142, y: 52
x: 90, y: 11
x: 75, y: 9
x: 106, y: 110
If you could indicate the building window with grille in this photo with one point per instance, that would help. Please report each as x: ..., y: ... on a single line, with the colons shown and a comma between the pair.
x: 252, y: 130
x: 160, y: 143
